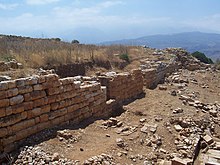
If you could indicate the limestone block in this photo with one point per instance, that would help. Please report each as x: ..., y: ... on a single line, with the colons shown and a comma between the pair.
x: 17, y: 108
x: 77, y: 84
x: 3, y: 94
x: 72, y: 108
x: 4, y: 103
x: 25, y: 89
x: 54, y: 91
x: 11, y: 84
x: 2, y: 112
x: 34, y: 112
x: 8, y: 140
x: 44, y: 125
x: 45, y: 109
x: 16, y: 100
x: 20, y: 82
x: 54, y: 106
x: 3, y: 85
x: 32, y: 80
x: 41, y: 79
x: 3, y: 132
x: 22, y: 125
x: 34, y: 95
x: 38, y: 87
x: 28, y: 105
x: 57, y: 113
x: 12, y: 92
x: 39, y: 102
x: 51, y: 99
x: 26, y: 132
x: 57, y: 121
x: 51, y: 77
x: 44, y: 118
x: 12, y: 119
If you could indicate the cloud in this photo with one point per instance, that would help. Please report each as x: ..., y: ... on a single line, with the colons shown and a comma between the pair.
x: 40, y: 2
x: 207, y: 23
x: 8, y: 6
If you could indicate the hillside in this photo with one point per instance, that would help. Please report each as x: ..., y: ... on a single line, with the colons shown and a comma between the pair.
x: 208, y: 43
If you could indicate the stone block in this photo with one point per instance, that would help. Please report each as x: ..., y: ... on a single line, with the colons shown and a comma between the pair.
x: 8, y: 140
x: 2, y: 112
x: 34, y: 95
x: 45, y: 109
x: 53, y: 91
x: 32, y: 80
x: 54, y: 106
x: 17, y: 108
x: 28, y: 105
x: 208, y: 139
x: 12, y: 92
x: 38, y: 87
x: 3, y: 132
x: 179, y: 161
x: 57, y: 113
x: 34, y: 112
x: 12, y: 119
x: 20, y: 82
x: 51, y: 99
x: 4, y: 103
x: 11, y: 84
x: 3, y: 85
x: 22, y: 125
x: 41, y: 79
x: 16, y: 100
x: 44, y: 118
x: 39, y: 102
x: 44, y: 125
x: 25, y: 89
x: 3, y: 94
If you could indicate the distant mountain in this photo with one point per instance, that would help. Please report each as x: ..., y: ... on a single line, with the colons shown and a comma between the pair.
x: 208, y: 43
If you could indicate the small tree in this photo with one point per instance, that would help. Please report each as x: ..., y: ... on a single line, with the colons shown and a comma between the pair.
x: 202, y: 57
x: 75, y: 42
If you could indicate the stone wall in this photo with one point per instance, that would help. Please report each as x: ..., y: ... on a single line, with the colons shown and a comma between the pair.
x: 157, y: 73
x: 122, y: 86
x: 13, y: 64
x: 30, y: 105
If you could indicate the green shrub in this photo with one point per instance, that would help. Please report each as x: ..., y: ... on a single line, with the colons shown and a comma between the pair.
x: 124, y: 57
x: 6, y: 57
x: 202, y: 57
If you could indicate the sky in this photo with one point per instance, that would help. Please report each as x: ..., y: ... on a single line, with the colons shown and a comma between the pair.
x: 94, y: 21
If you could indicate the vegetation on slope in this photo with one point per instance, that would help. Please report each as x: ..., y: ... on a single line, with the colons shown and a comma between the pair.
x: 202, y: 57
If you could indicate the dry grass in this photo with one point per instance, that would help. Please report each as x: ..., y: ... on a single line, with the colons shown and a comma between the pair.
x: 36, y: 53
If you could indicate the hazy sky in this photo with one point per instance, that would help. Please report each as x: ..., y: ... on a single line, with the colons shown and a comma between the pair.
x: 100, y: 20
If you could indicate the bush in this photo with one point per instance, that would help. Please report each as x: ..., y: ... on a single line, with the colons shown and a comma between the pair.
x: 202, y: 57
x: 124, y: 57
x: 6, y: 58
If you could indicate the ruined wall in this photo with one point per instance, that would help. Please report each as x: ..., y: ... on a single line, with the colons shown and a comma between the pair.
x: 30, y: 105
x: 122, y: 86
x: 157, y: 74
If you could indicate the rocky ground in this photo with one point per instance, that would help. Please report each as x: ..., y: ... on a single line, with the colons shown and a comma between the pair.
x: 172, y: 123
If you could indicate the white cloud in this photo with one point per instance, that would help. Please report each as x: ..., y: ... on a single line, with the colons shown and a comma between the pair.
x: 208, y: 23
x: 8, y: 6
x: 40, y: 2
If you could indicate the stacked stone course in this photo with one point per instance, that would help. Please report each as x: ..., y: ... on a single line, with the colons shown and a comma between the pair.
x: 123, y: 86
x: 30, y: 105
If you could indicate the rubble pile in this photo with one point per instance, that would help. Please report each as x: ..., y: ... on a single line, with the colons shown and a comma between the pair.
x: 13, y: 64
